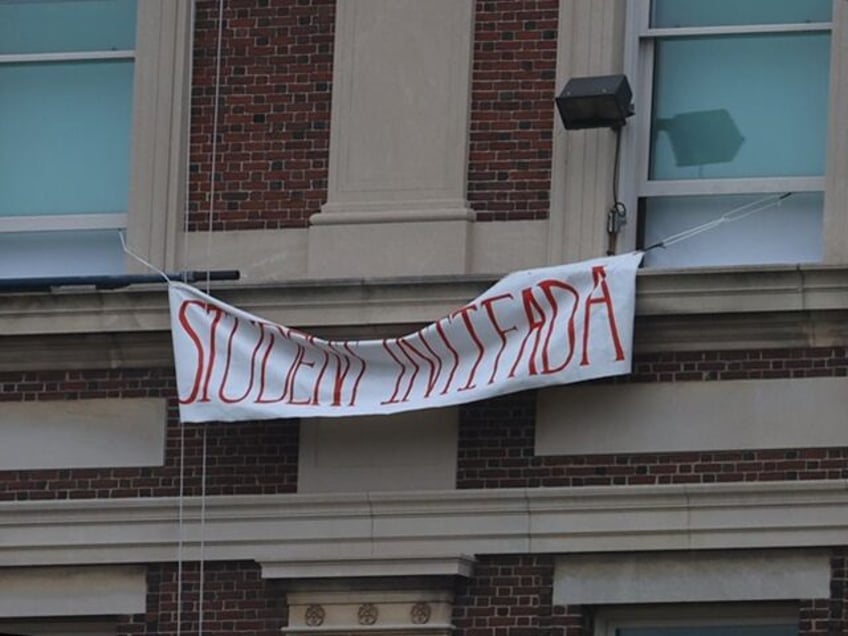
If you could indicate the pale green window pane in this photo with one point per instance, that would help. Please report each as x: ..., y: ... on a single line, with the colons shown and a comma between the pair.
x: 32, y: 254
x: 65, y: 137
x: 696, y: 13
x: 740, y: 106
x: 54, y: 26
x: 790, y: 232
x: 737, y: 630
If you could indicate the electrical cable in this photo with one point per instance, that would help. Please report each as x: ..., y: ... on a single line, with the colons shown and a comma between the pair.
x: 736, y: 214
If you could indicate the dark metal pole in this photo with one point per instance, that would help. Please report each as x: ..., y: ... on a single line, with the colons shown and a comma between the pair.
x: 14, y: 285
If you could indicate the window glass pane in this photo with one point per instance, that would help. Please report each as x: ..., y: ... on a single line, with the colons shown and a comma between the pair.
x: 740, y: 106
x: 53, y: 26
x: 65, y: 137
x: 32, y: 254
x: 789, y: 232
x: 737, y: 630
x: 694, y: 13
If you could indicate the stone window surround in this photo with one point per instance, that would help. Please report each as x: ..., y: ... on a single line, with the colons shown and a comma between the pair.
x: 161, y: 93
x: 158, y: 129
x: 580, y: 190
x: 609, y: 620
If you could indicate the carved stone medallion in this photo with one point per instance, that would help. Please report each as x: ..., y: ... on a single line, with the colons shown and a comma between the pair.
x: 420, y: 613
x: 367, y: 614
x: 314, y: 615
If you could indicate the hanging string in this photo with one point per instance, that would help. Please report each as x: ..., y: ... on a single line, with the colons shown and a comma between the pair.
x: 187, y: 200
x: 202, y: 566
x: 212, y: 182
x: 617, y: 214
x: 138, y: 258
x: 180, y: 529
x: 734, y: 215
x: 213, y: 167
x: 186, y: 211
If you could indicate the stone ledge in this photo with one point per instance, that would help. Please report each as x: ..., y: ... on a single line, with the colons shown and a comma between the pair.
x: 675, y: 310
x: 374, y: 567
x: 422, y: 526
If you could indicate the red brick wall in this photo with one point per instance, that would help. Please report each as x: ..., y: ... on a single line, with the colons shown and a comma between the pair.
x: 496, y: 437
x: 512, y: 108
x: 814, y: 618
x: 837, y: 607
x: 506, y: 595
x: 760, y: 364
x: 512, y: 596
x: 274, y: 113
x: 236, y: 601
x: 244, y: 458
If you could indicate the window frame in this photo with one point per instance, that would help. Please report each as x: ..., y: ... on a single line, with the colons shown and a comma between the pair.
x: 67, y: 222
x: 635, y: 185
x: 611, y: 619
x: 158, y: 136
x: 72, y: 626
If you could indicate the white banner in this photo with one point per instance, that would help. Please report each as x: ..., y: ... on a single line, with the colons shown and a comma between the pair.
x: 539, y: 327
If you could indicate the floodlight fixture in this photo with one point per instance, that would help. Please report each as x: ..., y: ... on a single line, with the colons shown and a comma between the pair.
x: 602, y: 101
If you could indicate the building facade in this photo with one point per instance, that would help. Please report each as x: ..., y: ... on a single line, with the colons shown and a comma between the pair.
x: 368, y: 166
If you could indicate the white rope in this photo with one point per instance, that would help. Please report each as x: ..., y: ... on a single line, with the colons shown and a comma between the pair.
x: 141, y: 260
x: 736, y: 214
x: 213, y: 166
x: 212, y: 169
x: 180, y: 531
x: 186, y: 210
x: 202, y: 537
x: 187, y: 201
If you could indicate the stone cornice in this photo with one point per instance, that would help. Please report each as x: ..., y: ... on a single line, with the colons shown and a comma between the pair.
x: 294, y: 532
x: 694, y: 309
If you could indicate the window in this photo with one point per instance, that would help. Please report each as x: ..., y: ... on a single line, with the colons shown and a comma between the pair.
x: 59, y: 627
x: 699, y: 620
x: 732, y: 107
x: 66, y: 83
x: 93, y: 112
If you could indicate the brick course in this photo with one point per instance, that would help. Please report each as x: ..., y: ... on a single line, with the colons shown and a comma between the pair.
x: 236, y: 600
x: 507, y: 595
x: 244, y: 458
x: 512, y: 92
x: 511, y: 595
x: 274, y: 113
x: 496, y: 437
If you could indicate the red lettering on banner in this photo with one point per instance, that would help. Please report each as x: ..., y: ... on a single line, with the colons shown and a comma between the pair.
x: 203, y: 372
x: 535, y: 321
x: 398, y: 342
x: 516, y: 336
x: 228, y: 362
x: 393, y: 399
x: 299, y: 363
x: 599, y: 277
x: 316, y: 388
x: 288, y: 385
x: 547, y: 287
x: 358, y: 377
x: 263, y: 372
x: 469, y: 326
x: 408, y: 348
x: 340, y: 376
x: 437, y: 360
x: 263, y: 365
x: 487, y: 303
x: 453, y: 351
x: 213, y: 333
x: 198, y: 345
